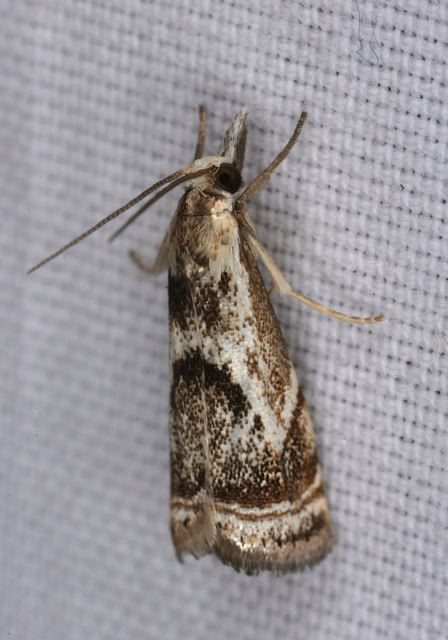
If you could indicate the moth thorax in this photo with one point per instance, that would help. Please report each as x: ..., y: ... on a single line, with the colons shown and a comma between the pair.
x: 221, y: 206
x: 223, y: 226
x: 222, y: 243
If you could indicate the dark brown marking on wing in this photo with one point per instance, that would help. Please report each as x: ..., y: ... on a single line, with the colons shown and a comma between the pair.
x: 272, y: 347
x: 208, y: 303
x: 224, y: 284
x: 295, y: 508
x: 299, y: 455
x: 258, y: 427
x: 272, y: 515
x: 312, y: 525
x: 187, y: 427
x: 264, y: 318
x: 221, y: 395
x: 317, y: 523
x: 180, y: 304
x: 255, y: 474
x: 207, y: 298
x: 248, y: 482
x: 249, y: 472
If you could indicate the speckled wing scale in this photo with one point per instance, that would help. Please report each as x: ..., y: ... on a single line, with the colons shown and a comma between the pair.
x: 245, y: 481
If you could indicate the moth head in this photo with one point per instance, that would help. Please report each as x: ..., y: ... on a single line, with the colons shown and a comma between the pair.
x: 225, y: 177
x: 218, y: 175
x: 221, y: 177
x: 225, y: 168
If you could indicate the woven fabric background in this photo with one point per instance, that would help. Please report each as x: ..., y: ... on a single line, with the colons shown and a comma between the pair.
x: 98, y: 99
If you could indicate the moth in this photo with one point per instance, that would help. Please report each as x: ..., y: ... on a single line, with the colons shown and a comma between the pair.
x: 246, y: 484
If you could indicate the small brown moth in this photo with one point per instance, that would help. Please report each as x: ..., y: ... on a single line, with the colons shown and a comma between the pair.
x: 245, y: 480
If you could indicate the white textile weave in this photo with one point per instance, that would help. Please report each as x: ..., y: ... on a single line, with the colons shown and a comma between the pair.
x: 98, y: 100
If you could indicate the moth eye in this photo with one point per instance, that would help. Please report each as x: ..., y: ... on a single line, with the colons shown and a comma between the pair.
x: 228, y: 178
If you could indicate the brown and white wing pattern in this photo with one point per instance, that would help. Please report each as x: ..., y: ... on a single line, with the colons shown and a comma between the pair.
x: 245, y: 479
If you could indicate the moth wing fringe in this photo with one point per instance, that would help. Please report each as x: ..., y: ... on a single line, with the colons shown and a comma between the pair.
x: 197, y: 537
x: 293, y: 558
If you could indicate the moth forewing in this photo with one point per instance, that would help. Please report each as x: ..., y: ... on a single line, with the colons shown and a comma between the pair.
x: 243, y: 452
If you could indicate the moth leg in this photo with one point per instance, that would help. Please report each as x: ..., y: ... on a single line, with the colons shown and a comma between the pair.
x: 318, y: 306
x: 138, y: 261
x: 159, y: 265
x: 283, y: 286
x: 199, y: 151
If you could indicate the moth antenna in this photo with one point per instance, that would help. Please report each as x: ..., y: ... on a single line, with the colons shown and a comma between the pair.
x: 176, y: 178
x: 141, y: 210
x: 199, y: 151
x: 261, y: 180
